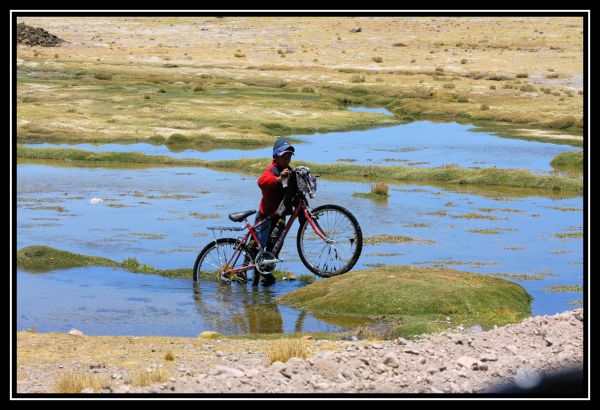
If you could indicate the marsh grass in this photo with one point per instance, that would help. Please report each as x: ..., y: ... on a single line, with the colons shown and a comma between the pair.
x: 563, y: 288
x: 373, y: 240
x: 568, y: 161
x: 473, y: 215
x: 570, y: 235
x: 380, y: 188
x: 45, y: 258
x: 461, y: 176
x: 485, y: 231
x: 306, y: 278
x: 76, y: 381
x: 284, y: 349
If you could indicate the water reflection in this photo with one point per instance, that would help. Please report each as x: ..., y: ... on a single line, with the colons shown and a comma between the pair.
x: 105, y: 301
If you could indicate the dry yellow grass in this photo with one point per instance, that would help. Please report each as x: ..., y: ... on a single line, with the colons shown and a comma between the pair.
x: 283, y: 349
x: 212, y: 95
x: 380, y: 188
x: 76, y: 381
x: 366, y: 333
x: 141, y: 378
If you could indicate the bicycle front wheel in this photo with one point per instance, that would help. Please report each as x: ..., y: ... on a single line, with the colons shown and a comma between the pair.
x: 340, y: 254
x: 218, y: 259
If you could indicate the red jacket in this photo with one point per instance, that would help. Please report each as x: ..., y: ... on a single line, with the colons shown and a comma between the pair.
x: 272, y: 190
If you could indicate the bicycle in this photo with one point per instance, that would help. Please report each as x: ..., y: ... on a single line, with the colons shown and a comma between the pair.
x: 329, y: 240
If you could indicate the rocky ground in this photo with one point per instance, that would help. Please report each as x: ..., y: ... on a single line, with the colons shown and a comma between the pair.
x: 462, y: 361
x: 35, y: 36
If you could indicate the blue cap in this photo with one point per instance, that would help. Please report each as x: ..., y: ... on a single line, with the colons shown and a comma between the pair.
x: 281, y: 146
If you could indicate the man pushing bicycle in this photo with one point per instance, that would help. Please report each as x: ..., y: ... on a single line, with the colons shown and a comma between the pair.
x: 273, y: 184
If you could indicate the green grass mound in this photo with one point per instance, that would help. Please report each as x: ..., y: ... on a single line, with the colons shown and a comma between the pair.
x: 569, y: 161
x: 45, y: 258
x: 419, y: 299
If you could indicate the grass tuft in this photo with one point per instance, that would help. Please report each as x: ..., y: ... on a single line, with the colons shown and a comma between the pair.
x: 284, y: 349
x: 76, y: 381
x: 142, y: 378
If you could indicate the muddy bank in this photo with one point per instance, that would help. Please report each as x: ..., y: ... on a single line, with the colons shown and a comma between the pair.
x: 461, y: 361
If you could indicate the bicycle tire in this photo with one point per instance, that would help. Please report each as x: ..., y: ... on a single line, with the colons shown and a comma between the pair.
x: 204, y: 252
x: 320, y: 211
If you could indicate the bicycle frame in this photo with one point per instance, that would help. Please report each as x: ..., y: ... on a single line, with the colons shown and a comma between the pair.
x: 301, y: 206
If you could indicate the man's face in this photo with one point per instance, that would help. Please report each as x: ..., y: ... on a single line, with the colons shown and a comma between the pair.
x: 284, y: 160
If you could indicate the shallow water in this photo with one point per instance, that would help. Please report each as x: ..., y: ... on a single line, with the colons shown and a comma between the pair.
x: 371, y: 110
x: 106, y: 301
x: 421, y: 144
x: 160, y: 216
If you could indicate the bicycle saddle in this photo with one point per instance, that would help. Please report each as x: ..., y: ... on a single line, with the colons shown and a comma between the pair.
x: 240, y: 216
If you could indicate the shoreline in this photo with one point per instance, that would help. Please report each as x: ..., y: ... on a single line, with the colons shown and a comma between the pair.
x: 460, y: 361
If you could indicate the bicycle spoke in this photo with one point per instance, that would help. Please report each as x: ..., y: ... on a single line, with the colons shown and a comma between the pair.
x: 217, y: 261
x: 325, y: 256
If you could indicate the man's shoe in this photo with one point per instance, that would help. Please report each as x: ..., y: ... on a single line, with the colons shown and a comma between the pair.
x: 268, y: 280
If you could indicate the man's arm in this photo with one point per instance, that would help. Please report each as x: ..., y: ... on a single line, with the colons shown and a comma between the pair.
x: 269, y: 180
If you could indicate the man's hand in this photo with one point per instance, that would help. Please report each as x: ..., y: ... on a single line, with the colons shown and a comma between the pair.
x: 284, y: 174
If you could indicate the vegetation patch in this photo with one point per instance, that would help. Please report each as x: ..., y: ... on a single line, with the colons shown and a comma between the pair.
x: 568, y: 161
x: 373, y: 240
x: 478, y: 216
x: 282, y: 350
x: 536, y: 276
x: 379, y: 191
x: 485, y: 231
x: 563, y: 209
x: 500, y: 210
x: 443, y: 263
x: 418, y: 298
x: 569, y: 235
x: 204, y: 216
x: 44, y: 258
x: 458, y: 176
x: 141, y: 378
x: 76, y: 381
x: 563, y: 288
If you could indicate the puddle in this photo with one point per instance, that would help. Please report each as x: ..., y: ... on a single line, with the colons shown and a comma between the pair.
x: 421, y: 144
x: 158, y: 226
x: 371, y: 110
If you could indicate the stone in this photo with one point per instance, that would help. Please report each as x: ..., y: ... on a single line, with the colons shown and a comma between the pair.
x: 489, y: 357
x: 228, y: 371
x: 467, y: 362
x: 328, y: 368
x: 391, y: 360
x: 75, y: 332
x: 513, y: 349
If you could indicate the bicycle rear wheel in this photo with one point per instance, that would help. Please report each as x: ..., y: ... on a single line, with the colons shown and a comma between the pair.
x: 330, y: 259
x: 214, y: 261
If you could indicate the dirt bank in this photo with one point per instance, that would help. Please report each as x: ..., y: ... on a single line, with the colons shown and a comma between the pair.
x: 462, y: 361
